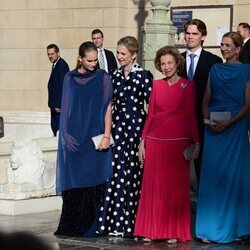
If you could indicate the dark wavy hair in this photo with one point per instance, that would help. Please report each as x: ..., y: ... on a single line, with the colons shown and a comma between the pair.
x: 53, y: 46
x: 173, y: 51
x: 97, y: 31
x: 201, y: 26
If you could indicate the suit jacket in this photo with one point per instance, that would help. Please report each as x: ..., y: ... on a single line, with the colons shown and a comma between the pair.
x: 55, y: 84
x: 245, y: 54
x: 112, y: 64
x: 205, y: 63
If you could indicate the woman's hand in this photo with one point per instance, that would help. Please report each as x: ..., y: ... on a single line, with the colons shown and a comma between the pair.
x: 142, y: 151
x: 57, y: 110
x: 220, y: 126
x: 196, y: 151
x: 104, y: 143
x: 70, y: 142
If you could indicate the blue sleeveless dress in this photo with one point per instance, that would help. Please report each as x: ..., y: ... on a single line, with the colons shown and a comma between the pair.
x: 223, y: 208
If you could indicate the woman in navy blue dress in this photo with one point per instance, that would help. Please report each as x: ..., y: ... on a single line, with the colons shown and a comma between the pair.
x: 83, y: 171
x: 132, y: 87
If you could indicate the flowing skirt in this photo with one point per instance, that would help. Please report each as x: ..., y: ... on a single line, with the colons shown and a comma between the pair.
x: 164, y: 209
x: 80, y: 212
x: 223, y: 208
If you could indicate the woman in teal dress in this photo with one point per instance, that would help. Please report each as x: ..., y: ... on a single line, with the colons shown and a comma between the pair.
x: 223, y: 199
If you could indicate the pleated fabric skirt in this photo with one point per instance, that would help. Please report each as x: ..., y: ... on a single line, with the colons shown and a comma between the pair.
x: 164, y: 209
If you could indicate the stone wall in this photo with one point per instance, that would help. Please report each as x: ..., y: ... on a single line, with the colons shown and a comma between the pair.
x: 28, y: 26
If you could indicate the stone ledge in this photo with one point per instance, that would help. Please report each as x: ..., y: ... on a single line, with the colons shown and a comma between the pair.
x: 20, y: 125
x: 18, y: 207
x: 26, y: 117
x: 5, y: 194
x: 46, y: 144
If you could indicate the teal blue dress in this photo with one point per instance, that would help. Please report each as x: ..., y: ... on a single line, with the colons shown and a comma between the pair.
x: 223, y: 207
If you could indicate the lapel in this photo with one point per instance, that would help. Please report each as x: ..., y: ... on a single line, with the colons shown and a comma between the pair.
x: 201, y: 65
x: 58, y: 62
x: 246, y: 46
x: 56, y: 67
x: 54, y: 70
x: 247, y: 43
x: 106, y: 54
x: 185, y: 66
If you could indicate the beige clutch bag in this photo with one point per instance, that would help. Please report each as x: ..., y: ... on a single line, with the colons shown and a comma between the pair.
x: 97, y: 139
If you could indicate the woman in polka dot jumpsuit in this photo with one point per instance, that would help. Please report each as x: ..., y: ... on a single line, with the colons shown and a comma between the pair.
x: 132, y: 87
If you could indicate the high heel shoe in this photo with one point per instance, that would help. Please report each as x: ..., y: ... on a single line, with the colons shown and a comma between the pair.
x: 146, y: 240
x: 205, y: 240
x: 171, y: 241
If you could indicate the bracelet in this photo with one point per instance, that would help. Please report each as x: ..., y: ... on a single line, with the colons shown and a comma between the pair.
x: 106, y: 137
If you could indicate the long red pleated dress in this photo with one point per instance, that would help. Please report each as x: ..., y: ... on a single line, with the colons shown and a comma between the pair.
x: 171, y: 125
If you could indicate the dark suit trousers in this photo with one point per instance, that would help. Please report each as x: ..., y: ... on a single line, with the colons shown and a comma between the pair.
x: 197, y: 163
x: 54, y: 122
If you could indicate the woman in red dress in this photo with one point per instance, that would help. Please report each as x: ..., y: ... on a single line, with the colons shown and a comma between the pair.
x: 171, y: 126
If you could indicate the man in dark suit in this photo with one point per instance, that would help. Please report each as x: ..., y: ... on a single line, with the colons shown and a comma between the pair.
x: 55, y: 85
x: 198, y: 70
x: 106, y: 57
x: 244, y: 57
x: 244, y: 30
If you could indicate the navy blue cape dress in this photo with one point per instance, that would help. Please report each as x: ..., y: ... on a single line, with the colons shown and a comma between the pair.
x: 82, y: 170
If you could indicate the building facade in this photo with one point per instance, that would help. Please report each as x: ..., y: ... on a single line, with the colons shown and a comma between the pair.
x: 28, y: 26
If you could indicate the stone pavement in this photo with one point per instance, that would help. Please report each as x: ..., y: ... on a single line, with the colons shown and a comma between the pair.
x: 44, y: 224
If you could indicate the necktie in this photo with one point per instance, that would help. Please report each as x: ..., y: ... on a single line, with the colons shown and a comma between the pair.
x: 101, y: 59
x: 191, y: 67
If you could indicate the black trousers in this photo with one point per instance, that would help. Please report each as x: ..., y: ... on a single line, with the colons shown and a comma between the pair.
x: 54, y: 121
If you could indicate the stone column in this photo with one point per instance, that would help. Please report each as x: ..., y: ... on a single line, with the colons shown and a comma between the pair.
x: 157, y: 32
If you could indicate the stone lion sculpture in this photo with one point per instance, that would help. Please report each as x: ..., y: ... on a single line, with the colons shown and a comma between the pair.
x: 28, y: 171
